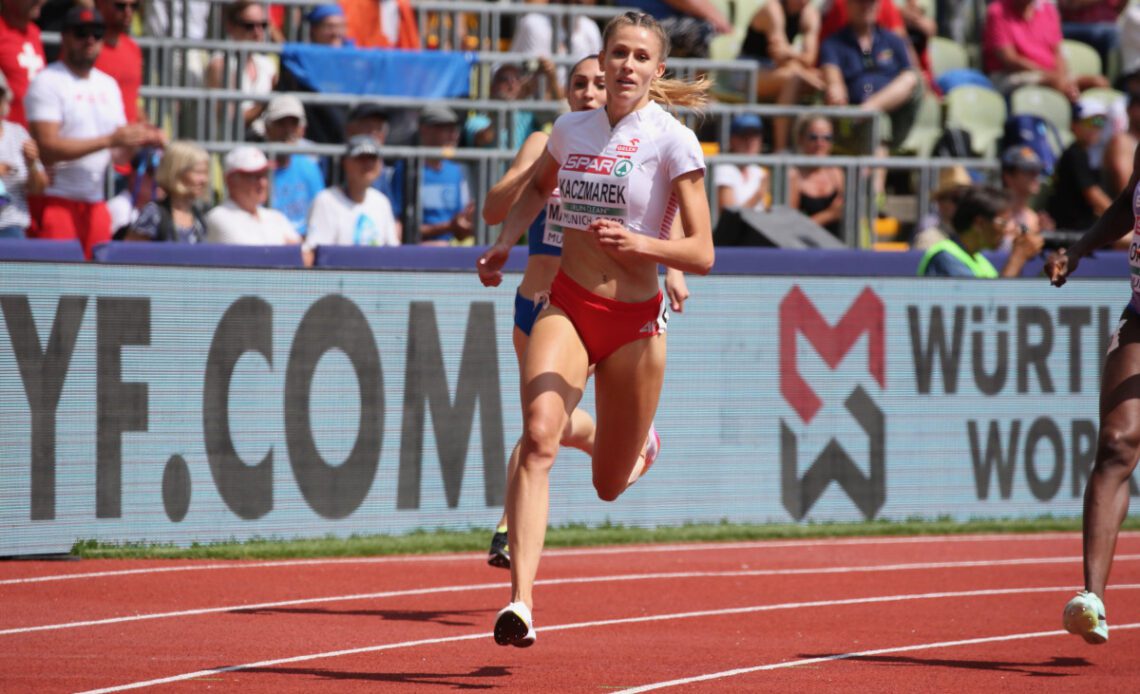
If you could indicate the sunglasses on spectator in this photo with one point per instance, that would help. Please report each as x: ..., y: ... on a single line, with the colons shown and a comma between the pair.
x: 88, y: 32
x: 124, y: 6
x: 1095, y: 121
x: 250, y: 26
x: 816, y: 137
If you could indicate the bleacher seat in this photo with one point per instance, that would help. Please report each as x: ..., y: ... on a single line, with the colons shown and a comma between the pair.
x: 946, y: 55
x: 1047, y: 103
x: 980, y: 112
x: 1081, y: 58
x: 927, y: 128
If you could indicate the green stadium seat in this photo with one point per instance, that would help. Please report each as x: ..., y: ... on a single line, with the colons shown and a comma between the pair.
x: 927, y: 128
x: 1047, y: 103
x: 946, y: 55
x: 980, y: 112
x: 1081, y: 58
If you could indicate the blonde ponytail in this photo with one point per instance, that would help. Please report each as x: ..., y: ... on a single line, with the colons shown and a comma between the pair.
x: 692, y: 94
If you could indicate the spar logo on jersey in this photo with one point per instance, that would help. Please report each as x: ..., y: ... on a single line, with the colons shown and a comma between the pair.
x: 622, y: 168
x: 590, y: 163
x: 866, y: 315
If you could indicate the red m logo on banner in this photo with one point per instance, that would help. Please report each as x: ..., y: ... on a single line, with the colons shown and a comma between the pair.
x: 798, y: 314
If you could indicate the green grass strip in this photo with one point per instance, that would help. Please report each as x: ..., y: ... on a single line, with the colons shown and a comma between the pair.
x: 477, y: 539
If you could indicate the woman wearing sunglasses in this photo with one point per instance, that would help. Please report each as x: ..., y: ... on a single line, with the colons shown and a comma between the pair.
x: 817, y: 191
x: 245, y: 21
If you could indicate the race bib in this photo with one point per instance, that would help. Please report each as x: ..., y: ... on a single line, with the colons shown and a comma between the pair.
x: 591, y: 187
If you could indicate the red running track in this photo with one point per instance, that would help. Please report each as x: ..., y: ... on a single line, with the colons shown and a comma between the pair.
x: 961, y: 613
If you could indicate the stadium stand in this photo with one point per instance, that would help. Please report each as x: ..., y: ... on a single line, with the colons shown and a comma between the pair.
x: 479, y: 36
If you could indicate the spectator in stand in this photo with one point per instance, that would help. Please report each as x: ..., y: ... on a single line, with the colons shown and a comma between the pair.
x: 1117, y: 162
x: 1022, y: 45
x: 690, y: 24
x: 381, y: 23
x: 21, y: 51
x: 371, y: 119
x: 21, y: 174
x: 511, y: 84
x: 163, y: 18
x: 982, y: 220
x: 353, y: 213
x: 121, y: 57
x: 867, y: 65
x: 817, y: 191
x: 245, y: 21
x: 535, y: 35
x: 141, y: 188
x: 787, y: 74
x: 1078, y: 199
x: 743, y: 186
x: 1092, y: 22
x: 296, y: 177
x: 1021, y: 179
x: 179, y: 216
x: 444, y: 196
x: 242, y: 219
x: 324, y: 123
x: 327, y: 26
x: 953, y: 182
x: 889, y: 17
x: 75, y: 114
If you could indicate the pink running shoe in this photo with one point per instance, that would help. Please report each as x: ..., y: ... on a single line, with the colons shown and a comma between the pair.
x: 652, y: 449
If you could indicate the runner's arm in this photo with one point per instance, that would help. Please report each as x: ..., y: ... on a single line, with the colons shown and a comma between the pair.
x: 506, y: 192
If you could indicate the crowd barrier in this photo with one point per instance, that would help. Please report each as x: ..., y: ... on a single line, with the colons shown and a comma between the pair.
x: 179, y: 405
x: 209, y: 254
x: 42, y: 250
x: 729, y: 261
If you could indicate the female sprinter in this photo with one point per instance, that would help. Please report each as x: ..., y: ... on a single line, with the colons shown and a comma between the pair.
x: 1118, y: 444
x: 622, y: 173
x: 585, y: 91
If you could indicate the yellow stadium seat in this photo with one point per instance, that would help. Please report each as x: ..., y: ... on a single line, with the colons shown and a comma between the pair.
x: 1081, y: 58
x: 946, y: 55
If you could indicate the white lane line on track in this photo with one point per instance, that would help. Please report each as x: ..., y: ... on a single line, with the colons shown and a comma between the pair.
x: 609, y: 622
x: 576, y: 552
x: 617, y: 578
x: 857, y: 654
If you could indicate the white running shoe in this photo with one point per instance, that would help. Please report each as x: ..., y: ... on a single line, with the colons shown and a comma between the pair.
x: 1084, y: 616
x: 514, y: 626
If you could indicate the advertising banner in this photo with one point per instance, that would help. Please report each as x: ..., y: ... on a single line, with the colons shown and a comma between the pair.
x: 179, y: 405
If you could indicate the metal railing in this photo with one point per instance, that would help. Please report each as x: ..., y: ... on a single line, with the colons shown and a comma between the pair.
x: 486, y: 166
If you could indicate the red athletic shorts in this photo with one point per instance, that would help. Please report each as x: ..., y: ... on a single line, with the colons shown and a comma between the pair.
x: 605, y: 324
x: 60, y: 218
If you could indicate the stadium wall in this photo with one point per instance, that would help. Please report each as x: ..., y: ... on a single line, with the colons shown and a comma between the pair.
x: 179, y: 405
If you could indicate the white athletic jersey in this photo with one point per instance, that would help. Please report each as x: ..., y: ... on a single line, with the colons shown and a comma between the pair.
x: 85, y: 108
x: 625, y: 173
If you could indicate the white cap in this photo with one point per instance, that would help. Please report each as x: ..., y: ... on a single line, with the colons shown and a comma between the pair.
x: 284, y: 106
x: 246, y: 159
x: 1088, y: 108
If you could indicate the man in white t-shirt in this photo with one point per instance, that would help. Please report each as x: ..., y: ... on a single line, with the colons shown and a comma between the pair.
x: 354, y: 213
x: 243, y: 220
x: 75, y: 114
